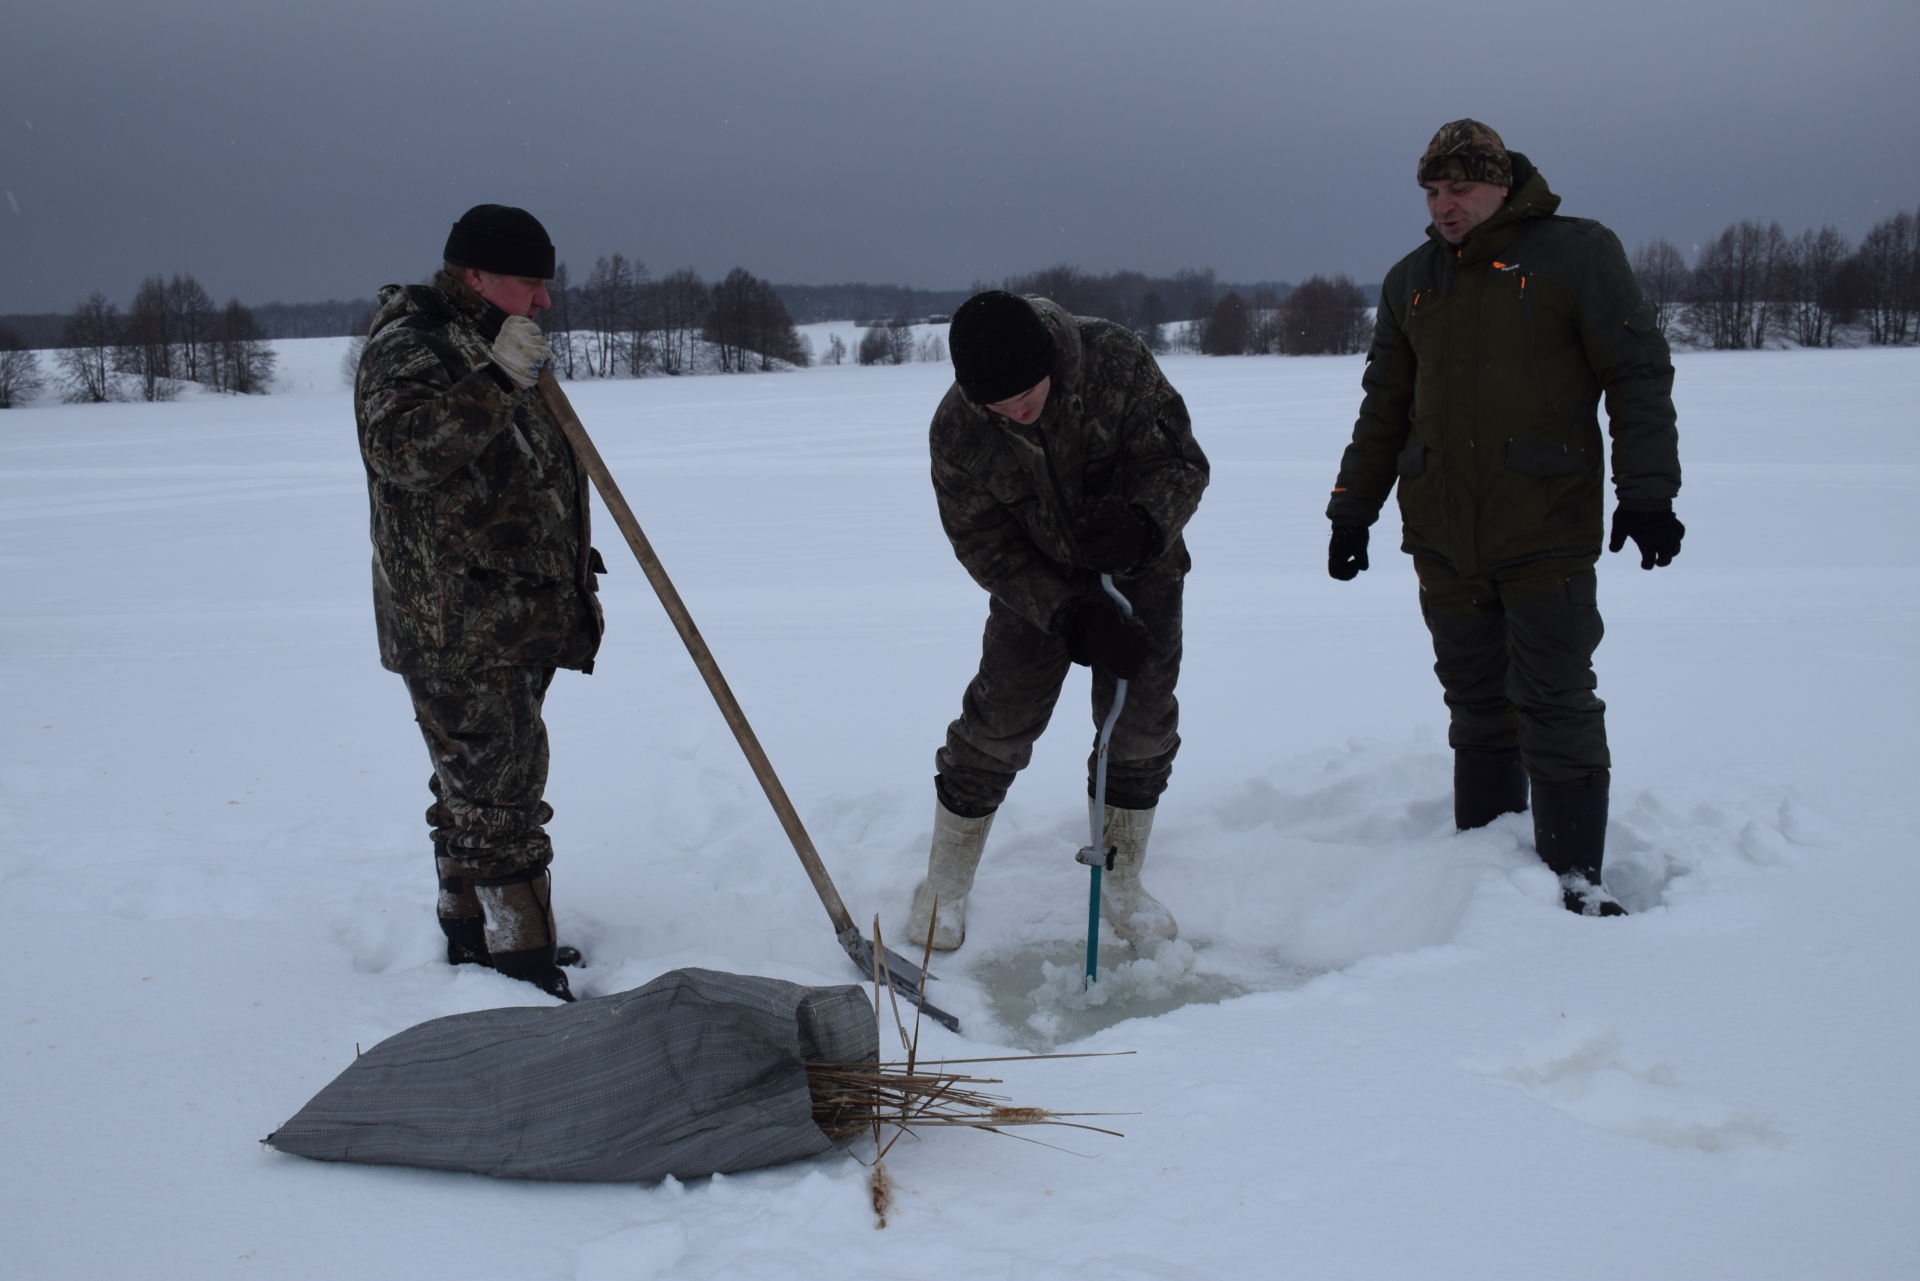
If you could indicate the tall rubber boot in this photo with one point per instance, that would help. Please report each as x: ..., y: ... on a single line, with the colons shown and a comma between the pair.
x: 520, y: 935
x: 1570, y: 832
x: 1135, y: 915
x: 464, y: 925
x: 459, y: 912
x: 1487, y: 785
x: 951, y: 863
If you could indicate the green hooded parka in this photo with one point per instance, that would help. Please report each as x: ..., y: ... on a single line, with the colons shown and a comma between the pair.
x: 1488, y: 364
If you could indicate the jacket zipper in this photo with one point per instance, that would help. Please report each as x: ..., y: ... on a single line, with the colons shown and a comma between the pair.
x: 1059, y: 494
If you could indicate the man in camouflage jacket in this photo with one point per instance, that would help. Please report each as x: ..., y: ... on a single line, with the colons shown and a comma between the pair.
x: 1060, y: 453
x: 483, y: 577
x: 1493, y: 347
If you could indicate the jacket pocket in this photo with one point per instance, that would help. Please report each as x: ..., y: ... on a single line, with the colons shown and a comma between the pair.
x: 1419, y: 484
x: 1538, y: 456
x: 523, y: 607
x: 520, y: 563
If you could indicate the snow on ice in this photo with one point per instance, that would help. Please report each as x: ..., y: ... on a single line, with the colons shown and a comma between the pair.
x: 1379, y: 1049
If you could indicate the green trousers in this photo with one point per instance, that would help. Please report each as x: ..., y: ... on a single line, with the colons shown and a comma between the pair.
x: 1513, y: 649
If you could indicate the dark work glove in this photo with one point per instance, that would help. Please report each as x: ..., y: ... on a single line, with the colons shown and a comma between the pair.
x: 1099, y: 635
x: 1347, y: 551
x: 1656, y: 533
x: 1115, y: 537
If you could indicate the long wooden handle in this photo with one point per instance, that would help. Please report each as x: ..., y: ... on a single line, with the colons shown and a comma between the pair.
x: 562, y: 411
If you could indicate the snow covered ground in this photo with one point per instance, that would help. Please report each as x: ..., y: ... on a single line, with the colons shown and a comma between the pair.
x: 1380, y: 1049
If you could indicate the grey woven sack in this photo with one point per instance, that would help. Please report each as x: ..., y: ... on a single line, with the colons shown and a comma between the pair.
x: 697, y: 1072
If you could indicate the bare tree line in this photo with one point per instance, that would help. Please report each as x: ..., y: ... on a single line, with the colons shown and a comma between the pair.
x: 20, y: 377
x: 892, y: 342
x: 1321, y: 317
x: 1187, y: 308
x: 172, y: 335
x: 1754, y: 284
x: 1750, y: 286
x: 621, y: 323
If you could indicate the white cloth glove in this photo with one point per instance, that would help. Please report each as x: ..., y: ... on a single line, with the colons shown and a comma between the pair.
x: 521, y: 351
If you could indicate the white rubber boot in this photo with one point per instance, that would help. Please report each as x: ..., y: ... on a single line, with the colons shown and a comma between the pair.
x: 957, y: 843
x: 1135, y: 915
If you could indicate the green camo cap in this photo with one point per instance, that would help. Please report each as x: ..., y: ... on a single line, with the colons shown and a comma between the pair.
x: 1466, y: 151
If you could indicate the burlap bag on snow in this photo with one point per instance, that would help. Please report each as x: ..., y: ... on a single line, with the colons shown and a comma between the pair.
x: 698, y: 1072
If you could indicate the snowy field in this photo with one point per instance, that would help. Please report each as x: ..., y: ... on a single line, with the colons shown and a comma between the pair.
x: 1380, y: 1049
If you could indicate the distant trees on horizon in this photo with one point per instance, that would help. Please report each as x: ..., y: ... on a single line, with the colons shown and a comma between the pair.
x: 1320, y: 317
x: 623, y: 324
x: 1751, y: 286
x: 20, y: 376
x: 171, y: 336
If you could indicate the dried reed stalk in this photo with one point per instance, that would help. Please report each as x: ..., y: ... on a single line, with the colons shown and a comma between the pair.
x: 850, y: 1099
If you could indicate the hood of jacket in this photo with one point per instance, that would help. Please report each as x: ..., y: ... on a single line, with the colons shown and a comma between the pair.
x: 431, y: 303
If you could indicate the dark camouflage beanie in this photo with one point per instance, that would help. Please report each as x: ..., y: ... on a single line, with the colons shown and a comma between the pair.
x: 503, y: 240
x: 1466, y: 151
x: 999, y: 345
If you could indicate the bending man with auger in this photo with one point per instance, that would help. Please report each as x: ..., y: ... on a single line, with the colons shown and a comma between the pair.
x: 1060, y: 453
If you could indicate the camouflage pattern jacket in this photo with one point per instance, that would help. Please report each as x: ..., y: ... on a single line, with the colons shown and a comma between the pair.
x: 1482, y: 386
x: 480, y: 551
x: 1009, y: 495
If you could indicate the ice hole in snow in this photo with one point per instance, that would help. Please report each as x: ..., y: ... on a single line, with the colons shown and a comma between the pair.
x: 1040, y: 997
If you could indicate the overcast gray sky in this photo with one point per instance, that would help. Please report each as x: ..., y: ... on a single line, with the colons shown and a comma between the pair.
x: 312, y: 151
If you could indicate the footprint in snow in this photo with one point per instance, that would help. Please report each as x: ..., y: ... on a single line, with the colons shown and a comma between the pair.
x: 1590, y: 1078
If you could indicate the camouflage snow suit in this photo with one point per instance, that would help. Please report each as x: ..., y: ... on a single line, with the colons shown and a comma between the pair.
x: 1488, y: 365
x: 483, y: 577
x: 1009, y: 496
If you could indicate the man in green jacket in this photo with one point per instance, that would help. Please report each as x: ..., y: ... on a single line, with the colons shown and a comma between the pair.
x: 1493, y: 346
x: 1060, y: 453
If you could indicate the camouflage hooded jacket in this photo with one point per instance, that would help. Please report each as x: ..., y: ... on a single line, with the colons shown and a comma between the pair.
x: 1009, y: 494
x: 1482, y: 385
x: 480, y: 552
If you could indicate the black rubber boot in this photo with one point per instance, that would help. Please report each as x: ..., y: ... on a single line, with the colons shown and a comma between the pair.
x: 519, y: 932
x: 459, y: 913
x: 1487, y: 785
x: 466, y: 940
x: 535, y: 966
x: 1570, y: 832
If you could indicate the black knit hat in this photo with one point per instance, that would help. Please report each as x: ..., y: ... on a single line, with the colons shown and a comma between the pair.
x: 503, y: 240
x: 1000, y: 347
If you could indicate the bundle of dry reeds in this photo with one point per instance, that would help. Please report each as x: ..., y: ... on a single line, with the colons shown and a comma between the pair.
x: 851, y: 1099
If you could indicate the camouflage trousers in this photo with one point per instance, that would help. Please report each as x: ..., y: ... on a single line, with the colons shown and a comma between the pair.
x: 1513, y: 649
x: 489, y: 747
x: 1010, y: 700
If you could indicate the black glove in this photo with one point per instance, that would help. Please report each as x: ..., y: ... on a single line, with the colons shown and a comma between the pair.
x: 1116, y: 537
x: 1347, y: 551
x: 1099, y: 635
x: 1656, y: 533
